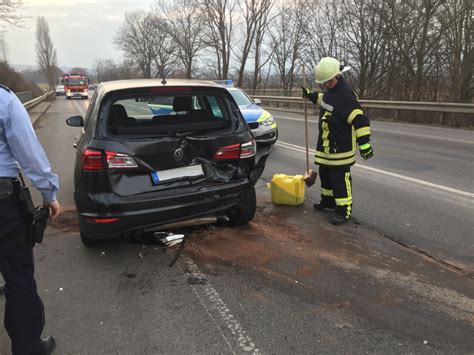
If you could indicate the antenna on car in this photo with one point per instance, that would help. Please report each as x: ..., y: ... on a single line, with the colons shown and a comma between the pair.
x: 163, y: 81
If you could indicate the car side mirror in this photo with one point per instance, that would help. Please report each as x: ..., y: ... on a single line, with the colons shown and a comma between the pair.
x: 75, y: 121
x: 257, y: 102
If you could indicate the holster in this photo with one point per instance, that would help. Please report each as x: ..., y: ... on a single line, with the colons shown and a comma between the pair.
x: 38, y: 217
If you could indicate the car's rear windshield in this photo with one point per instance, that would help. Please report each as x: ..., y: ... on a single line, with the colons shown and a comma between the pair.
x: 167, y: 113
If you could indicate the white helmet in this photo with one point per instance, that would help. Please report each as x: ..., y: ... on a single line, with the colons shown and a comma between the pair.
x: 328, y: 68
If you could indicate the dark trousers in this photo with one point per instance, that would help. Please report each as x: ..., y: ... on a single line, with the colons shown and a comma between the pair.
x: 24, y: 313
x: 336, y: 189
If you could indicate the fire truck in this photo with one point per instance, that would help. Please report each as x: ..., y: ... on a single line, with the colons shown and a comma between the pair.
x: 76, y: 85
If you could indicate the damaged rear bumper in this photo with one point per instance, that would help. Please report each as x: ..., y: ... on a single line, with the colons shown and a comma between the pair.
x: 108, y: 215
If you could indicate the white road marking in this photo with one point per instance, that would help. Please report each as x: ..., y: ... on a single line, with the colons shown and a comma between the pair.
x: 379, y: 171
x: 81, y: 110
x: 405, y: 134
x: 213, y: 303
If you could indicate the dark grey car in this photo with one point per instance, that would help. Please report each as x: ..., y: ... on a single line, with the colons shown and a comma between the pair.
x: 137, y: 168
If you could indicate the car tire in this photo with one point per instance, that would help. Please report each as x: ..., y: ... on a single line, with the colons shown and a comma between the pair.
x: 244, y: 212
x: 87, y: 241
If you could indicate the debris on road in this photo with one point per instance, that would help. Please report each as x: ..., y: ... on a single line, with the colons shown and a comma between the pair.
x: 169, y: 239
x: 197, y: 280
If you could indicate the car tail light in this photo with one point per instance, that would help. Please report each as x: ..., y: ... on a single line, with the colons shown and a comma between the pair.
x: 93, y: 160
x: 236, y: 151
x: 120, y: 161
x: 248, y: 149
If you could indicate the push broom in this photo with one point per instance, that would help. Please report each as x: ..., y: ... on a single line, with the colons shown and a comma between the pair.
x: 310, y: 175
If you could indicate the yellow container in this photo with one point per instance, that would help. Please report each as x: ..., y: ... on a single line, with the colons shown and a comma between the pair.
x: 287, y: 189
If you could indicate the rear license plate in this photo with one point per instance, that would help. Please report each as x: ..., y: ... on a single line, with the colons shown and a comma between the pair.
x: 178, y: 173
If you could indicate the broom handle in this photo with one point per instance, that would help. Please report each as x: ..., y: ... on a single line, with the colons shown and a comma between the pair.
x: 305, y: 122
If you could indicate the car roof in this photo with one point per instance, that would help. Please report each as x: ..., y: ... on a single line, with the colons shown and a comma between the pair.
x: 108, y: 86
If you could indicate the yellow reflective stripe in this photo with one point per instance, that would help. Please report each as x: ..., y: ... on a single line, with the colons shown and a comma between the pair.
x: 364, y: 131
x: 347, y: 178
x: 343, y: 201
x: 264, y: 116
x: 326, y: 192
x: 353, y: 115
x: 319, y: 99
x: 274, y: 125
x: 348, y: 211
x: 335, y: 155
x: 325, y: 135
x: 323, y: 161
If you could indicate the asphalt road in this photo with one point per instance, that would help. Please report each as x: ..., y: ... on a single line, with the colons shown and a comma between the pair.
x: 418, y: 189
x: 289, y: 283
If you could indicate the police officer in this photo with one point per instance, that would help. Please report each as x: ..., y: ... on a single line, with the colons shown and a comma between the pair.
x: 20, y: 149
x: 342, y: 124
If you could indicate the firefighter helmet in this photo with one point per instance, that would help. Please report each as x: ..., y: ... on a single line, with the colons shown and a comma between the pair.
x: 326, y: 69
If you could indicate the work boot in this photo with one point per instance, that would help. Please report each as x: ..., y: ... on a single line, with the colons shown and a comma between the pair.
x: 48, y: 344
x: 321, y: 205
x: 338, y: 220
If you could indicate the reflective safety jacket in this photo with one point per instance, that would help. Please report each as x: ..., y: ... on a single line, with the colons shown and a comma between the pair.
x: 341, y: 123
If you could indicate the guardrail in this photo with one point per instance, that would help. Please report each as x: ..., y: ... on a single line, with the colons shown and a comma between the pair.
x: 31, y: 103
x: 297, y: 102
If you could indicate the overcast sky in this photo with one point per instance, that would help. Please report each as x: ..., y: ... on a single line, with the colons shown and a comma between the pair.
x: 81, y: 31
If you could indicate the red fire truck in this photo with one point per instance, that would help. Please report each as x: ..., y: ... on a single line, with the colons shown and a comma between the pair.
x: 76, y: 85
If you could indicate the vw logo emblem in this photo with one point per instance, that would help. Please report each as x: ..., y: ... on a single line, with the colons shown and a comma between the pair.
x: 178, y: 154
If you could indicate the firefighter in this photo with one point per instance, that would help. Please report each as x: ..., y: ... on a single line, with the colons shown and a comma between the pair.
x: 342, y: 124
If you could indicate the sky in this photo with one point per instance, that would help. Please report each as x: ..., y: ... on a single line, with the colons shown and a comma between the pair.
x: 81, y: 31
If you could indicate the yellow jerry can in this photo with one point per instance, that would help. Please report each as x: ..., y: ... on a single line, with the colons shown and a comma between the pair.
x: 287, y: 189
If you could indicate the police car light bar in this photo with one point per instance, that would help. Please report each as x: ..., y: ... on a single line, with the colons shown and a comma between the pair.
x: 226, y: 82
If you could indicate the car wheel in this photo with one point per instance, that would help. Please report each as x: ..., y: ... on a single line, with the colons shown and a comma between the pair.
x: 87, y: 241
x: 244, y: 212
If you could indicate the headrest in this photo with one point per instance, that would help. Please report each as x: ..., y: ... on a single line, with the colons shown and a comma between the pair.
x: 118, y: 111
x: 118, y: 115
x: 182, y: 103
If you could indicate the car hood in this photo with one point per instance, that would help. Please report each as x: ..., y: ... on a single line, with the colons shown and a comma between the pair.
x: 254, y: 113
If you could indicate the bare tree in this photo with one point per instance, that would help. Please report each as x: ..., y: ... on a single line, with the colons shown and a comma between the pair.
x: 144, y: 42
x: 185, y: 26
x: 457, y: 19
x: 165, y: 54
x: 254, y: 13
x: 287, y: 36
x: 364, y: 41
x: 10, y: 12
x: 3, y: 47
x: 219, y: 31
x: 322, y: 30
x: 107, y: 70
x: 45, y: 51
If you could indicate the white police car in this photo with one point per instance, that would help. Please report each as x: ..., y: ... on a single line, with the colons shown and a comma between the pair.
x: 260, y: 121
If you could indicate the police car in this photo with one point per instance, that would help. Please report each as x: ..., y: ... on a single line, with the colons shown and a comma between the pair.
x: 260, y: 121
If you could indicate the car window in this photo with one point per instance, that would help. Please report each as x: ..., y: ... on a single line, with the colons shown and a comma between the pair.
x: 166, y: 114
x: 241, y: 97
